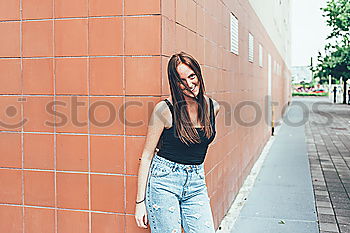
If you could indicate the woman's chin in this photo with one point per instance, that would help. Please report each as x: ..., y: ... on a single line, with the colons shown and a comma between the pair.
x: 196, y: 93
x: 193, y: 95
x: 190, y: 95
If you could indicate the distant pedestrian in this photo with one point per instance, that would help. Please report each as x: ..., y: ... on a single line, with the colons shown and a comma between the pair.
x: 172, y: 190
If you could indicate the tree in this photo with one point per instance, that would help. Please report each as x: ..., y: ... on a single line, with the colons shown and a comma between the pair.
x: 336, y: 60
x: 337, y: 13
x: 336, y: 63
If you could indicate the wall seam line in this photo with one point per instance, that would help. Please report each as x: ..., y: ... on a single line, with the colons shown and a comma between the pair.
x: 88, y: 117
x: 55, y: 130
x: 124, y: 115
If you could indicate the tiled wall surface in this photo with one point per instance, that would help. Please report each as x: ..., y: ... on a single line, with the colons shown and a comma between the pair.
x: 68, y: 66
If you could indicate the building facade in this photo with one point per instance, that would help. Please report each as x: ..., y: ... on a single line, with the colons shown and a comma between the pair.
x: 301, y: 74
x: 80, y: 79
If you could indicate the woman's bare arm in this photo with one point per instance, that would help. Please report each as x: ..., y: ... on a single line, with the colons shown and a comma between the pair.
x: 155, y: 128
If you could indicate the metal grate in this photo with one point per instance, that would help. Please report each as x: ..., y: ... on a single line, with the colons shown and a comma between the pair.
x: 260, y: 55
x: 251, y: 47
x: 234, y: 34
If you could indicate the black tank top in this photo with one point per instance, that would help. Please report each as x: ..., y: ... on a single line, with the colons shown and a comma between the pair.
x: 173, y: 149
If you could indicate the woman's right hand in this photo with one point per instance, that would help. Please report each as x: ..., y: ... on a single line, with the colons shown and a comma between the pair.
x: 141, y: 215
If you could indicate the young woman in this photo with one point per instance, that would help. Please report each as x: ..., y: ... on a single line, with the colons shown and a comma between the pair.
x: 171, y: 183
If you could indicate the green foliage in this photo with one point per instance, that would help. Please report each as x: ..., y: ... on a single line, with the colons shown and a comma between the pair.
x: 337, y: 13
x: 309, y: 94
x: 336, y: 60
x: 335, y: 63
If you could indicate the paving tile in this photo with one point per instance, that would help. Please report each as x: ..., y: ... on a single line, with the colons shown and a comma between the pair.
x: 322, y: 193
x: 323, y: 204
x: 322, y: 198
x: 342, y: 212
x: 322, y: 210
x: 332, y: 168
x: 343, y: 220
x: 332, y: 227
x: 344, y: 228
x: 326, y: 218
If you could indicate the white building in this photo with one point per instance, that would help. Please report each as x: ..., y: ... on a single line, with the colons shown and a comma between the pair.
x: 301, y: 73
x: 275, y: 15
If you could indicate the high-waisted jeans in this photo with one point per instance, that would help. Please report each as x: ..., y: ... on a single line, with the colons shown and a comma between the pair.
x: 176, y: 195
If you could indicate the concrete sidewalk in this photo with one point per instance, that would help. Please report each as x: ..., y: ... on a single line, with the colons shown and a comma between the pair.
x: 282, y: 197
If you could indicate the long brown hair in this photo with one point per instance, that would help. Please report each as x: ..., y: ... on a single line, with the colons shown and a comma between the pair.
x: 184, y: 127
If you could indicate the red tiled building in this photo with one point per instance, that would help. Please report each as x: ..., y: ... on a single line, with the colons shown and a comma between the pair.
x: 69, y: 66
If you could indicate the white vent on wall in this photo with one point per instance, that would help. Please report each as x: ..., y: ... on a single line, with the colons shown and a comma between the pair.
x: 260, y: 55
x: 250, y: 47
x: 234, y: 34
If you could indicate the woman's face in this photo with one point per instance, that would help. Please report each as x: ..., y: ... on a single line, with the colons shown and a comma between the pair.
x: 190, y: 78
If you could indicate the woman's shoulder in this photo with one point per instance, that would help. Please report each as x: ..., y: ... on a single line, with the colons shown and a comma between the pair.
x: 162, y: 110
x: 162, y: 107
x: 168, y: 99
x: 215, y: 104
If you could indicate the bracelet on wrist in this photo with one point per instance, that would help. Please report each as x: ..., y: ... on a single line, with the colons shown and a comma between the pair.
x: 138, y: 202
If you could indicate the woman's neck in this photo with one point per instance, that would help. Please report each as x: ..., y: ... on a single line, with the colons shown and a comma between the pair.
x: 192, y: 106
x: 191, y: 102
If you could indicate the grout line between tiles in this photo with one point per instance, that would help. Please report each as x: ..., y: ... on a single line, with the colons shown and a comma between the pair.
x: 124, y: 115
x: 78, y: 18
x: 22, y: 109
x: 67, y: 172
x: 54, y: 107
x: 56, y: 208
x: 89, y: 136
x: 73, y: 95
x: 81, y: 134
x: 82, y: 56
x: 161, y: 48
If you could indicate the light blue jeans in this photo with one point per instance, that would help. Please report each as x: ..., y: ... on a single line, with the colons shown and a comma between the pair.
x: 176, y: 195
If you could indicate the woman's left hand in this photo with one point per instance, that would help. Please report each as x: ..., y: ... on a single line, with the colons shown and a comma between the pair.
x: 141, y: 215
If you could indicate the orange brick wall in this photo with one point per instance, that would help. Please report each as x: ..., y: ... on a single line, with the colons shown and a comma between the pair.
x: 74, y: 63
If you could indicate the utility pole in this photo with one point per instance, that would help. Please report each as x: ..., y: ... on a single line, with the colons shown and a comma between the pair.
x: 312, y: 73
x: 345, y: 91
x: 329, y: 85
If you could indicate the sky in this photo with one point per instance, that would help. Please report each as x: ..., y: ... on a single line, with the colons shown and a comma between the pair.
x: 309, y: 31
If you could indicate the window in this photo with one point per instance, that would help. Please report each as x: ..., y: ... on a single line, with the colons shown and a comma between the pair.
x: 260, y: 55
x: 250, y: 47
x: 234, y: 34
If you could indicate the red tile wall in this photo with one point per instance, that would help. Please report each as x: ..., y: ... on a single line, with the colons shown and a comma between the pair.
x: 78, y: 83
